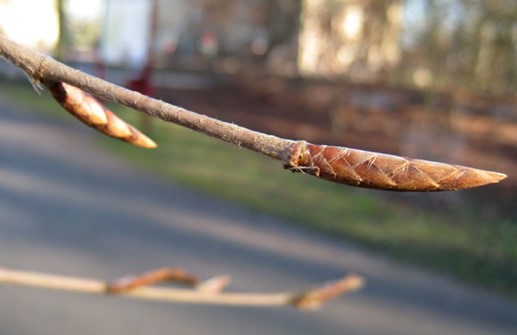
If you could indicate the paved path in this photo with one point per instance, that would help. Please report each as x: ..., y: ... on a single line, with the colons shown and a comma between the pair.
x: 69, y: 208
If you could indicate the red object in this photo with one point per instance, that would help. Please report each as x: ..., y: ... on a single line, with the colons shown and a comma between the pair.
x: 143, y: 83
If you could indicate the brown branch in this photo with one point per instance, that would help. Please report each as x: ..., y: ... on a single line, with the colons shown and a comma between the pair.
x: 300, y: 300
x: 337, y: 164
x: 42, y: 68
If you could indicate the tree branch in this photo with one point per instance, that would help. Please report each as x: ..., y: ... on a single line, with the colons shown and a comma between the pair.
x: 44, y: 69
x: 308, y: 299
x: 336, y: 164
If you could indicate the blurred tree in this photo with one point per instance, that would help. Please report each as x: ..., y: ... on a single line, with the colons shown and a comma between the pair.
x: 64, y: 36
x: 357, y: 39
x: 77, y: 32
x: 283, y: 20
x: 470, y: 43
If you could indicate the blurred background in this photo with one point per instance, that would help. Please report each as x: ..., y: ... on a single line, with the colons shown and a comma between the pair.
x: 419, y: 78
x: 444, y: 45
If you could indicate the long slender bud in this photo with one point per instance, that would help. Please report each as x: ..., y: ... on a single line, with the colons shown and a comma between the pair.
x: 382, y: 171
x: 94, y: 114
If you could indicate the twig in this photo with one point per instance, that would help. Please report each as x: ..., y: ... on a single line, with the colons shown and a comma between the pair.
x: 189, y: 296
x: 42, y: 69
x: 315, y: 297
x: 337, y: 164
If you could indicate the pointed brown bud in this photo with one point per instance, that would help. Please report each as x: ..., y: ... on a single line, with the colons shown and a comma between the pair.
x: 91, y: 112
x: 382, y: 171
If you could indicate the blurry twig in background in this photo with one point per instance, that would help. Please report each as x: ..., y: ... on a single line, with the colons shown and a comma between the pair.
x: 308, y: 299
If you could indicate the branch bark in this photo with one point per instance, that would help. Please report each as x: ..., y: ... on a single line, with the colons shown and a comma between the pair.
x: 43, y: 69
x: 336, y: 164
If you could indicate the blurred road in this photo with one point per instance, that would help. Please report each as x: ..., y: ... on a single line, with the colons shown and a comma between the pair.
x: 67, y: 207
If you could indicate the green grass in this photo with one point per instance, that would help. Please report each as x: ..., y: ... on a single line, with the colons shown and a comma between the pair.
x: 459, y: 243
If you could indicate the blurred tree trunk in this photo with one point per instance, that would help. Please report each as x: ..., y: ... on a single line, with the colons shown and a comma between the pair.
x: 147, y: 72
x: 64, y: 38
